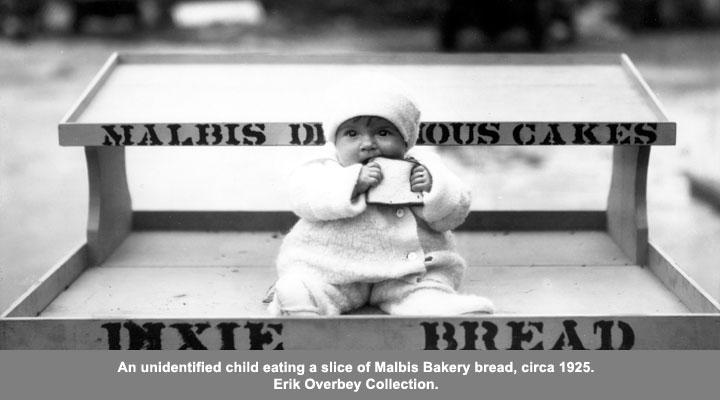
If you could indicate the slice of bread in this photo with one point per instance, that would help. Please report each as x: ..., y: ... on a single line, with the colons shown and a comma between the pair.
x: 395, y: 187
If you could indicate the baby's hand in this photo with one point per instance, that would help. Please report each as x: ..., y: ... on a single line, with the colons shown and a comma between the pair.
x: 420, y: 179
x: 370, y: 176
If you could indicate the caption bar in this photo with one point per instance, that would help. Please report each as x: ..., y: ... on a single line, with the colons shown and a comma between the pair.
x: 356, y: 377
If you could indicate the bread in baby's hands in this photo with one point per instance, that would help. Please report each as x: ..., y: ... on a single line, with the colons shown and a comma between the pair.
x: 395, y: 185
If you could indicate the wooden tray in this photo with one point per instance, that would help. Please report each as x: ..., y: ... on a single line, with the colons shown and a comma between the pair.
x: 195, y: 279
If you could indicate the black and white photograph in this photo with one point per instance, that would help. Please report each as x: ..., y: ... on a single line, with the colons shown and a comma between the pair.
x: 374, y: 176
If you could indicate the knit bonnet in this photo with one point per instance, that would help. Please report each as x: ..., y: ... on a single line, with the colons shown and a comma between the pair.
x: 372, y: 96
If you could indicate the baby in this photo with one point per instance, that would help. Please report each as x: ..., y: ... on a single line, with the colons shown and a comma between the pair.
x: 344, y: 253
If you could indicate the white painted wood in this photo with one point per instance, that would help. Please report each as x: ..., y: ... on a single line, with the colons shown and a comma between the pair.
x: 282, y: 93
x: 210, y: 57
x: 167, y: 89
x: 541, y: 248
x: 627, y: 202
x: 89, y: 93
x: 176, y: 274
x: 680, y: 283
x: 170, y: 291
x: 370, y: 333
x: 176, y: 292
x: 196, y: 249
x: 110, y: 208
x: 53, y: 282
x: 161, y: 249
x: 307, y: 133
x: 639, y: 81
x: 609, y: 290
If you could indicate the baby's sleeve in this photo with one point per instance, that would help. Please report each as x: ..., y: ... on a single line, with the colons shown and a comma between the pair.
x: 448, y: 203
x: 321, y: 190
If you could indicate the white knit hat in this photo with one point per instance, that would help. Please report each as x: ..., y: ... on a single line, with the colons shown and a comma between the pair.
x: 372, y: 96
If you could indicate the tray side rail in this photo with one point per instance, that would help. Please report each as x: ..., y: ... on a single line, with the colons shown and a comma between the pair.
x: 50, y: 285
x: 496, y: 332
x: 695, y: 298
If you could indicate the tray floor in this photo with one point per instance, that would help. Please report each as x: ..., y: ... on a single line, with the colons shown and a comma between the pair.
x: 226, y: 274
x: 514, y: 91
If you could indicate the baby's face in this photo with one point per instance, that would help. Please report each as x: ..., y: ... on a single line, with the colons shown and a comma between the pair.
x: 361, y: 138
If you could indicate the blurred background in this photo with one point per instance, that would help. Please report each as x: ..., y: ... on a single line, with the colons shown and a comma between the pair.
x: 51, y: 49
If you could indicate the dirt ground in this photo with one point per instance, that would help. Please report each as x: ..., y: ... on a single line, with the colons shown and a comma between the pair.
x: 43, y: 188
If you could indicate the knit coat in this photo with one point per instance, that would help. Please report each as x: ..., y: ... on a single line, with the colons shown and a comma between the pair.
x: 340, y: 240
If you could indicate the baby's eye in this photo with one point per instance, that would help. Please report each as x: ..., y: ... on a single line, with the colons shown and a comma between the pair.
x: 384, y: 132
x: 350, y: 133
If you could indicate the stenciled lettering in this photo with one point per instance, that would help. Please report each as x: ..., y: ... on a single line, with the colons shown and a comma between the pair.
x: 432, y: 128
x: 518, y: 134
x: 520, y: 335
x: 553, y: 137
x: 203, y: 134
x: 431, y: 133
x: 175, y: 136
x: 147, y: 336
x: 150, y: 138
x: 491, y: 131
x: 570, y: 334
x: 312, y: 132
x: 112, y: 138
x: 259, y: 336
x: 583, y: 132
x: 457, y: 131
x: 190, y: 135
x: 648, y: 131
x: 525, y: 335
x: 191, y: 336
x: 254, y: 132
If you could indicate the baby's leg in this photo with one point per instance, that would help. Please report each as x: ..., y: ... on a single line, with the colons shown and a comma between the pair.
x: 400, y: 297
x: 432, y: 293
x: 293, y: 297
x: 297, y: 295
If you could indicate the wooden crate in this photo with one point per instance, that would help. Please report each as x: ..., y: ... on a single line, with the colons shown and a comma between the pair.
x: 169, y: 279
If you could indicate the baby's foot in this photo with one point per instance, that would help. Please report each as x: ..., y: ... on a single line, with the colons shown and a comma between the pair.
x: 479, y: 304
x: 300, y: 313
x: 436, y: 302
x: 275, y: 310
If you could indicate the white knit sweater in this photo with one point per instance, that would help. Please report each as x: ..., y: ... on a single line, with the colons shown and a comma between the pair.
x: 342, y: 241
